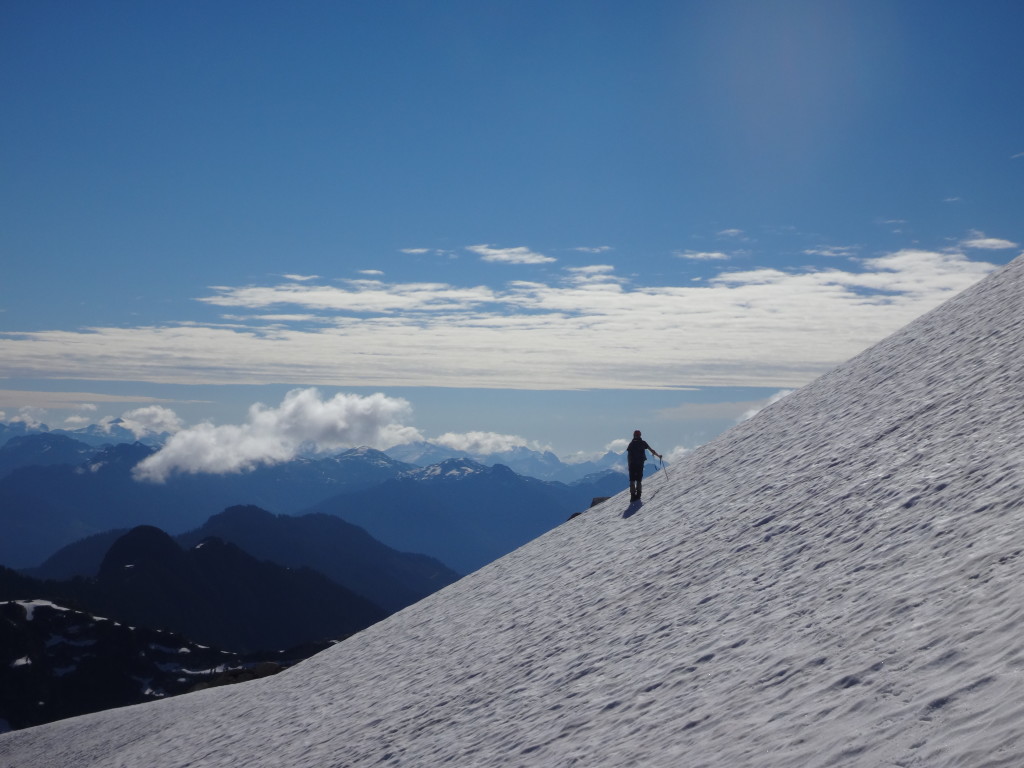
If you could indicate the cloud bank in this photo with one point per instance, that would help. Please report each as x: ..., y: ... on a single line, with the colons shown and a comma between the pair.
x: 304, y: 421
x: 584, y: 328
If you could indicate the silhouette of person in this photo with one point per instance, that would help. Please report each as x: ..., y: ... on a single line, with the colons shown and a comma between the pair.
x: 636, y: 453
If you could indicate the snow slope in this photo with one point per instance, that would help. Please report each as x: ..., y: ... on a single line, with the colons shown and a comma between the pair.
x: 838, y: 581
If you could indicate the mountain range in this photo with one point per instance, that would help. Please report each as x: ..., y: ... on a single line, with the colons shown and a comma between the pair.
x: 94, y: 435
x: 56, y: 491
x: 833, y: 582
x: 50, y: 505
x: 463, y: 513
x: 543, y: 465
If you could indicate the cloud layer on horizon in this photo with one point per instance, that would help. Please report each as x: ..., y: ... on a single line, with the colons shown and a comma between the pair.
x: 303, y: 423
x: 306, y: 423
x: 588, y: 329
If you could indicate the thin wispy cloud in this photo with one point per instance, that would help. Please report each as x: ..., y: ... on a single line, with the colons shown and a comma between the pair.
x: 519, y: 255
x: 703, y: 255
x: 980, y: 241
x: 301, y: 278
x: 833, y: 251
x: 424, y: 252
x: 587, y: 328
x: 241, y: 320
x: 371, y: 296
x: 593, y: 274
x: 730, y: 233
x: 86, y: 401
x: 598, y: 249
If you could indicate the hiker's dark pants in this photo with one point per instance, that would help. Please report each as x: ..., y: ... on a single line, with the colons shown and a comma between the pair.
x: 636, y: 477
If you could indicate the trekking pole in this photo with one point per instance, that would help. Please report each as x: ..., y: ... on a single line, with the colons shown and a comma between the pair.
x: 662, y: 460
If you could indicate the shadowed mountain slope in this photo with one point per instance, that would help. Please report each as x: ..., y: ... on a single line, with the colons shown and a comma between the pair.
x: 835, y: 582
x: 213, y: 593
x: 464, y: 513
x: 42, y: 449
x: 56, y: 663
x: 345, y: 553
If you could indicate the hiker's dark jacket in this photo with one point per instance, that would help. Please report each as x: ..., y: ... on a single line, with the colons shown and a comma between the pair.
x: 636, y: 452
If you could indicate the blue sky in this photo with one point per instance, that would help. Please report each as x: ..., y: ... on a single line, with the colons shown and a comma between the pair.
x: 554, y: 221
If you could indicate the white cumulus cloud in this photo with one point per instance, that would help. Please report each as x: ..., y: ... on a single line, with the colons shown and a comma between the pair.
x: 617, y: 446
x: 30, y: 416
x: 303, y: 421
x: 151, y: 420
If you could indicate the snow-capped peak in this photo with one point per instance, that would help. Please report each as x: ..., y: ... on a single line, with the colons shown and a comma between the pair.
x: 447, y: 469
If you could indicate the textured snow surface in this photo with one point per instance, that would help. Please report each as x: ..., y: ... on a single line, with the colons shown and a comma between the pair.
x: 838, y: 581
